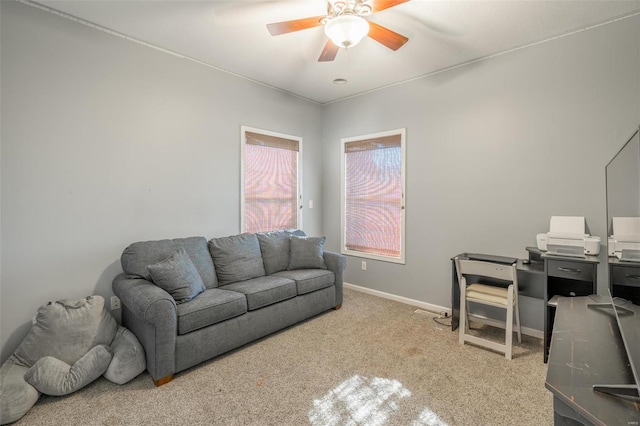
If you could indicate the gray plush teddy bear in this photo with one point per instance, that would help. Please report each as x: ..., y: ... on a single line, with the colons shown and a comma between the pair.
x: 72, y: 343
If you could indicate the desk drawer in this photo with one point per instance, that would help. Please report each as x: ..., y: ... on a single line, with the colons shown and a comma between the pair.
x: 626, y: 275
x: 571, y: 270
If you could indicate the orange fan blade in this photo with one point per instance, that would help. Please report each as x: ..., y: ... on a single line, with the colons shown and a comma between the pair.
x: 382, y: 35
x: 329, y: 52
x: 379, y: 5
x: 278, y: 28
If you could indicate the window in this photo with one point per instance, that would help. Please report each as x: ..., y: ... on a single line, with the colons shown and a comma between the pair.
x: 373, y: 202
x: 270, y: 184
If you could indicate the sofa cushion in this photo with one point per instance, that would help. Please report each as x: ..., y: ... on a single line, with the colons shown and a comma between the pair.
x: 178, y: 276
x: 265, y: 291
x: 137, y: 256
x: 274, y: 247
x: 212, y: 306
x: 308, y: 280
x: 306, y: 253
x: 236, y: 258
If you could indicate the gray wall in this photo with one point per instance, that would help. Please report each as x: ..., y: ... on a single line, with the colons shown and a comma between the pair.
x: 106, y: 142
x: 494, y: 149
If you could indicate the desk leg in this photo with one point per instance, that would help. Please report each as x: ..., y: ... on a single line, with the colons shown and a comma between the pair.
x: 455, y: 298
x: 563, y: 415
x: 549, y: 316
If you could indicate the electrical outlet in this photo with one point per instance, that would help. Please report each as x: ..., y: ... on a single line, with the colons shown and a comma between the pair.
x: 310, y: 204
x: 364, y: 265
x: 115, y: 303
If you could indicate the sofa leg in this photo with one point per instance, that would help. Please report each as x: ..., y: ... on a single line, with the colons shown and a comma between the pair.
x: 164, y: 380
x: 338, y: 307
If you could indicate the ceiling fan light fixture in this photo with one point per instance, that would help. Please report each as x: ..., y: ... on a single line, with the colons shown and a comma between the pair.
x: 346, y: 30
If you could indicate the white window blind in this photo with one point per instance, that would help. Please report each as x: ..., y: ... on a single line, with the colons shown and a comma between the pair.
x: 270, y: 183
x: 373, y: 205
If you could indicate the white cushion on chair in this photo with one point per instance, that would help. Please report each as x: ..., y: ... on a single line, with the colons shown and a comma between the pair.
x: 487, y: 293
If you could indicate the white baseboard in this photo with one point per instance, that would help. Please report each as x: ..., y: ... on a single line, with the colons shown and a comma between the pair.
x: 539, y: 334
x: 417, y: 303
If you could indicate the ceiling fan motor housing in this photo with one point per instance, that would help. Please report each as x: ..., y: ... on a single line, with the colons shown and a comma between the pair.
x: 347, y: 7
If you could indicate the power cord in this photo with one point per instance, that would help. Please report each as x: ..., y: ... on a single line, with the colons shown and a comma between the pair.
x: 443, y: 316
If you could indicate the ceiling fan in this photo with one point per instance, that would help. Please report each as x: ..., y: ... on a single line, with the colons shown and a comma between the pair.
x: 345, y: 25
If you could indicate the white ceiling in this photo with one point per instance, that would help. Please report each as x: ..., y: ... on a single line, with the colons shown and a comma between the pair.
x: 232, y: 36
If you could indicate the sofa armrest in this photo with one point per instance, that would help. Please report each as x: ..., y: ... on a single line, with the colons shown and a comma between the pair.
x: 151, y: 314
x: 336, y: 263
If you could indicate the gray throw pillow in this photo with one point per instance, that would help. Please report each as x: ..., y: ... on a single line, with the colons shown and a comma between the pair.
x: 236, y: 258
x: 274, y: 246
x: 306, y: 253
x: 137, y: 256
x: 52, y: 376
x: 178, y: 276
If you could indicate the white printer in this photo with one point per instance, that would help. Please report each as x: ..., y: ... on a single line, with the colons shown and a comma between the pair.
x: 567, y: 237
x: 625, y: 241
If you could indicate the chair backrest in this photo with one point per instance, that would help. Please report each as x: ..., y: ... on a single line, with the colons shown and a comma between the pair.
x: 486, y: 269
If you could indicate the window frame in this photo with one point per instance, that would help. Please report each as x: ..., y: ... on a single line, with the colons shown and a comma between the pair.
x: 343, y: 246
x: 243, y: 144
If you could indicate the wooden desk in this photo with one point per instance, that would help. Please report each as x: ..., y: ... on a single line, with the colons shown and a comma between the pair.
x: 587, y: 349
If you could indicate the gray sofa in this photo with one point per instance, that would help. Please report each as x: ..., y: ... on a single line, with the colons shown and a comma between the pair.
x: 188, y: 300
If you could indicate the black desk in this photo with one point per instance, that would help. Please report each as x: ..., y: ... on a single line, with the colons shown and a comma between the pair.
x: 587, y: 349
x: 624, y: 279
x: 531, y: 283
x: 569, y: 277
x: 543, y: 278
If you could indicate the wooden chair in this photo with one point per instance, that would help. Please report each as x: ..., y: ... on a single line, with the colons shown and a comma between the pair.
x: 491, y: 295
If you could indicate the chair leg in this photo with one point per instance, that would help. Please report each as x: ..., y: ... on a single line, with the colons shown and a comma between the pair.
x: 463, y: 322
x: 517, y: 313
x: 509, y: 324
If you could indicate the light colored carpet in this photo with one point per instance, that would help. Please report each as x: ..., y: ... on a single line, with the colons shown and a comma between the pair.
x: 373, y: 362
